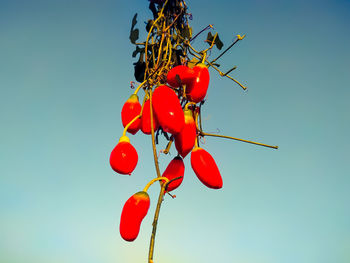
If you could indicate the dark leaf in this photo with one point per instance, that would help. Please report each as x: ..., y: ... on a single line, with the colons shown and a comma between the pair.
x: 134, y: 33
x: 134, y: 21
x: 166, y: 135
x: 149, y: 25
x: 153, y: 8
x: 140, y: 67
x: 137, y: 50
x: 209, y: 38
x: 218, y: 42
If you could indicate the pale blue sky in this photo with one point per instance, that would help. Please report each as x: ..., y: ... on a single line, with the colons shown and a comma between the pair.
x: 65, y: 69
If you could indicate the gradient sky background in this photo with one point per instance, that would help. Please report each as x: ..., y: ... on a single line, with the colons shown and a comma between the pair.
x: 65, y: 69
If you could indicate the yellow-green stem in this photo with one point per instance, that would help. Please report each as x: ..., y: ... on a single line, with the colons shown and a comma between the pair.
x: 154, y: 180
x: 139, y: 87
x: 237, y: 139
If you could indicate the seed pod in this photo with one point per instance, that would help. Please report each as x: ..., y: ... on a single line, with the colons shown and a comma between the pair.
x: 123, y: 158
x: 168, y: 110
x: 134, y: 210
x: 205, y: 168
x: 175, y: 168
x: 130, y: 110
x: 184, y: 140
x: 185, y: 74
x: 146, y: 119
x: 196, y: 89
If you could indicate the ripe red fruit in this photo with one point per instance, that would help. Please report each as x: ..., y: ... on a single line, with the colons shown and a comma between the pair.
x: 185, y: 74
x: 134, y: 210
x: 130, y: 110
x: 196, y: 89
x: 175, y: 168
x: 168, y: 110
x: 123, y: 158
x: 184, y: 140
x: 146, y: 119
x: 205, y: 168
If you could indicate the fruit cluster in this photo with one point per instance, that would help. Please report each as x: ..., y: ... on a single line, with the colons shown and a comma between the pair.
x: 183, y: 82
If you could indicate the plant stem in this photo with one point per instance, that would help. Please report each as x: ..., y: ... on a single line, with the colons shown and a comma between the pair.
x: 162, y: 187
x: 227, y: 49
x: 155, y: 222
x: 237, y: 139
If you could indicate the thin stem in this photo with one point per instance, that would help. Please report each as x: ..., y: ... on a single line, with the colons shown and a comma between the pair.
x: 229, y: 71
x: 153, y: 137
x: 154, y: 180
x: 139, y: 87
x: 146, y: 45
x: 160, y: 50
x: 154, y: 224
x: 228, y: 48
x: 237, y: 139
x: 211, y: 46
x: 207, y: 27
x: 167, y: 149
x: 225, y: 75
x: 131, y: 122
x: 161, y: 193
x: 197, y: 128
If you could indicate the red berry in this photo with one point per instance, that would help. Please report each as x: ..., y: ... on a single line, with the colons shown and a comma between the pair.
x: 130, y: 110
x: 175, y: 168
x: 168, y: 110
x: 184, y: 140
x: 196, y: 89
x: 123, y: 158
x: 185, y: 74
x: 134, y: 210
x: 205, y: 168
x: 146, y: 119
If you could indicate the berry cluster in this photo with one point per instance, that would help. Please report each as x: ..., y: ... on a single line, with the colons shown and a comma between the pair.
x: 183, y: 82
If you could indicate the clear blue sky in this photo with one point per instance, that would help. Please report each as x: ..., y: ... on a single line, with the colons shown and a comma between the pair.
x: 65, y: 69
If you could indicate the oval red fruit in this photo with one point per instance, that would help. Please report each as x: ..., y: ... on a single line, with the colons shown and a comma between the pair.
x: 134, y: 210
x: 130, y: 110
x: 205, y: 168
x: 175, y: 168
x: 168, y: 110
x: 185, y: 74
x: 196, y: 89
x: 123, y: 158
x: 184, y: 140
x: 146, y: 119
